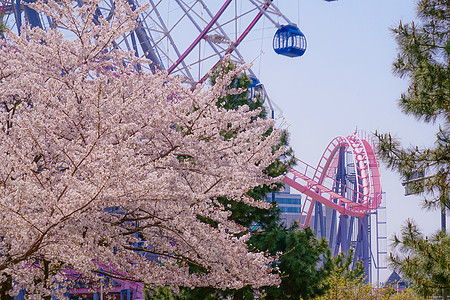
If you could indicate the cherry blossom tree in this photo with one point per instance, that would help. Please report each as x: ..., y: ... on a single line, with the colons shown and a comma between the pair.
x: 104, y: 165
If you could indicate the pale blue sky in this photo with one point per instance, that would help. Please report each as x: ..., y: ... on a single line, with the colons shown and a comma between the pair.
x: 344, y: 81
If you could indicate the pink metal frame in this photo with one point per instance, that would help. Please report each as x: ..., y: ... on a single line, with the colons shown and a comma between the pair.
x: 242, y: 36
x: 317, y: 183
x: 200, y: 37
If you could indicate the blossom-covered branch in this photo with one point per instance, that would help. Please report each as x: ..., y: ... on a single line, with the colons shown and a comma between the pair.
x: 97, y: 155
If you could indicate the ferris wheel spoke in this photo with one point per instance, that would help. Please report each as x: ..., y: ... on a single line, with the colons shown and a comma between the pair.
x: 182, y: 17
x: 189, y: 38
x: 220, y: 28
x: 237, y: 57
x: 239, y: 40
x: 190, y: 9
x: 145, y: 42
x: 267, y: 15
x: 198, y: 27
x: 172, y: 42
x: 235, y: 18
x: 201, y: 35
x: 165, y: 33
x: 196, y: 63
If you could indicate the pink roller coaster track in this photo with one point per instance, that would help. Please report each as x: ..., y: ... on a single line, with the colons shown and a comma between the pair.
x: 318, y: 184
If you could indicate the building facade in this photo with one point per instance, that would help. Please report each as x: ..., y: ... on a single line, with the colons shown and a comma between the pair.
x: 289, y: 204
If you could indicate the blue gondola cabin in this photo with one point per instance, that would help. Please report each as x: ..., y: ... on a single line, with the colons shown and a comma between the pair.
x: 289, y: 41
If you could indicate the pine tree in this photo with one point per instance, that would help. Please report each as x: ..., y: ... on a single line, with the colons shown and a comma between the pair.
x: 301, y: 252
x: 423, y: 59
x: 301, y: 255
x: 2, y: 25
x: 423, y: 260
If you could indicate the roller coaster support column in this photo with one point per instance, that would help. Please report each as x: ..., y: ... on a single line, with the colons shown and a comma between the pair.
x: 343, y: 237
x: 362, y: 251
x: 332, y: 228
x: 319, y: 221
x: 342, y: 241
x: 347, y: 181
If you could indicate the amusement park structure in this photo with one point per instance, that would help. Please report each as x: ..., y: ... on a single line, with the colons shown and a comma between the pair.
x: 185, y: 38
x: 341, y: 195
x: 190, y: 38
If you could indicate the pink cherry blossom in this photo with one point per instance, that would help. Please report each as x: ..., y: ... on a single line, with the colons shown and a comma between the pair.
x: 96, y: 156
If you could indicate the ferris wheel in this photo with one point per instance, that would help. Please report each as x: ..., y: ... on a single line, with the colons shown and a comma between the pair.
x: 186, y: 37
x: 189, y: 38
